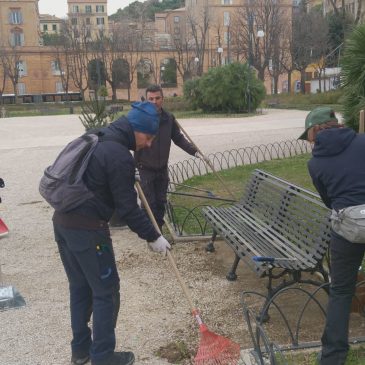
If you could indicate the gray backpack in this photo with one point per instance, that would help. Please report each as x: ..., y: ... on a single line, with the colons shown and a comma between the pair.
x: 62, y: 184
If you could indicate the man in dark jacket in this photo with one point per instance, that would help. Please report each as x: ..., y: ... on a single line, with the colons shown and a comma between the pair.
x: 84, y: 241
x: 152, y: 163
x: 337, y: 169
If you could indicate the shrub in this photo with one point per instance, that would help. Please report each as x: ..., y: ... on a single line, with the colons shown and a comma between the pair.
x: 353, y: 76
x: 233, y: 88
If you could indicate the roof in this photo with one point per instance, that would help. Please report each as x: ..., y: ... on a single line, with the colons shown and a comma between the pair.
x: 48, y: 17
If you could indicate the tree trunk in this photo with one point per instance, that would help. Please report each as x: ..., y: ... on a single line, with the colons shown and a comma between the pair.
x: 302, y: 81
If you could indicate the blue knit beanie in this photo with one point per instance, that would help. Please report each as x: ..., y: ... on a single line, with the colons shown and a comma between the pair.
x: 144, y: 117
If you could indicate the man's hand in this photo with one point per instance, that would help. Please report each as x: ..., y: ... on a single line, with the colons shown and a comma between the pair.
x: 137, y: 176
x: 197, y: 155
x: 160, y: 245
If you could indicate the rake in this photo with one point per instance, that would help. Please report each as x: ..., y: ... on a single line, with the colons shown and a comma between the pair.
x: 213, y: 349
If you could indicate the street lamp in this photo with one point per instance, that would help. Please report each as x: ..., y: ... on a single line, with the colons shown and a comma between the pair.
x: 220, y: 51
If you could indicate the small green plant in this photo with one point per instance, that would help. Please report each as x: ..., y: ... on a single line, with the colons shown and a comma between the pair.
x: 94, y: 114
x: 103, y: 92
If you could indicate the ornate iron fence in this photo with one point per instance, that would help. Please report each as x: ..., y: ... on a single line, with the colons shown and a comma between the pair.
x: 293, y: 328
x: 181, y: 217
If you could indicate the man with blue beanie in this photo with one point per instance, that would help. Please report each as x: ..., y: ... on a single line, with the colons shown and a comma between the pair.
x: 84, y: 242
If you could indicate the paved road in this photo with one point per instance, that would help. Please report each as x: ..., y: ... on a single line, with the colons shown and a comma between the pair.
x: 211, y: 135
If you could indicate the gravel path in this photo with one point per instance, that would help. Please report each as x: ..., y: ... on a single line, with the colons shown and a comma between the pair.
x: 154, y: 312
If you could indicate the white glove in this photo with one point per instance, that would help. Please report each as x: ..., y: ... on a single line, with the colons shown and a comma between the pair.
x: 137, y: 176
x: 197, y: 155
x: 160, y: 245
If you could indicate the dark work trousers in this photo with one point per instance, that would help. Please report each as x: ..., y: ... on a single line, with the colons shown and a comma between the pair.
x: 88, y: 259
x: 154, y: 185
x: 346, y: 258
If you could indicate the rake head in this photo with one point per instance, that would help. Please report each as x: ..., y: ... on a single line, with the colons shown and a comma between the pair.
x: 216, y: 350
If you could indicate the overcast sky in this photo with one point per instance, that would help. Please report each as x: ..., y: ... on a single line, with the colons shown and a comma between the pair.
x: 59, y: 7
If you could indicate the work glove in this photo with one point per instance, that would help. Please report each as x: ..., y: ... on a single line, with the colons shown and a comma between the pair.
x: 137, y: 176
x: 197, y: 155
x: 160, y: 245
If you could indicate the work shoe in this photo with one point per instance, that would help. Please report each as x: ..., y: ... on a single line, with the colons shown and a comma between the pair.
x: 117, y: 358
x: 79, y: 360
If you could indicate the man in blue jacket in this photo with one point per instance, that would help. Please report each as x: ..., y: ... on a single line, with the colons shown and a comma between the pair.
x: 337, y: 169
x: 84, y: 241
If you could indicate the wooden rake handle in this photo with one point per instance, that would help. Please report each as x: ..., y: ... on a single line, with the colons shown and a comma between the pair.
x: 207, y: 161
x: 169, y: 256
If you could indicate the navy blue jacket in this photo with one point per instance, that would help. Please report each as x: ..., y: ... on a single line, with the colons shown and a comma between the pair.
x: 110, y: 175
x: 337, y: 167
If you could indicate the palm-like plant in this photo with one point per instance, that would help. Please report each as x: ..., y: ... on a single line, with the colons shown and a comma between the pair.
x: 353, y: 76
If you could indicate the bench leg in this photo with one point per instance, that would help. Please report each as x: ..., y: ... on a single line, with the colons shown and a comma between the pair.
x: 232, y: 276
x: 210, y: 246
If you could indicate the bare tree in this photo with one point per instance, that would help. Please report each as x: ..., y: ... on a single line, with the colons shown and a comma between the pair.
x: 3, y: 75
x: 340, y: 9
x: 256, y: 28
x: 10, y: 60
x: 310, y: 35
x: 78, y: 44
x: 197, y: 32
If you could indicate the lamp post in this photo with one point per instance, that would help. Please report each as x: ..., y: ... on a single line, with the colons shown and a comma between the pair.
x: 220, y: 51
x: 196, y: 60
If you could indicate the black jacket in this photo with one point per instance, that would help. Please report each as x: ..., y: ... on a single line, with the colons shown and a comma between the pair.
x: 110, y: 175
x: 337, y: 167
x: 157, y: 157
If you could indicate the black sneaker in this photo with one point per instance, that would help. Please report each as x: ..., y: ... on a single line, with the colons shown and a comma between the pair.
x: 117, y: 358
x: 79, y: 360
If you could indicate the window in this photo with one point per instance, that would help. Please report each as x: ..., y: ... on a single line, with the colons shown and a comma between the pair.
x: 176, y: 19
x: 100, y: 9
x: 88, y: 9
x: 226, y: 18
x: 87, y: 21
x: 74, y: 21
x: 227, y: 2
x: 59, y: 87
x: 45, y: 27
x: 17, y: 39
x: 15, y: 16
x: 56, y: 69
x: 20, y: 87
x: 100, y: 21
x: 88, y: 33
x: 75, y: 9
x: 22, y: 68
x: 176, y: 30
x: 54, y: 27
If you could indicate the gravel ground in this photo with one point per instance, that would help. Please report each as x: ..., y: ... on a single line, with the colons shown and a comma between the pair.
x: 154, y: 312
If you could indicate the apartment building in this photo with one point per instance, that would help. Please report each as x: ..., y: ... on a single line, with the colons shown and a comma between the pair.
x: 19, y: 23
x: 89, y: 16
x: 50, y: 24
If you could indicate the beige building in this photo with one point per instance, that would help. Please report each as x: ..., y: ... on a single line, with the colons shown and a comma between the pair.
x: 90, y: 17
x: 50, y: 24
x: 19, y: 23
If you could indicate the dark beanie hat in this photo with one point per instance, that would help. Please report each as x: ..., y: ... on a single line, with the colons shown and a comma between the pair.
x: 144, y: 117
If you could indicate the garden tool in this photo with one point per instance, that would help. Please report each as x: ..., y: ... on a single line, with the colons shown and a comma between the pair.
x: 272, y: 259
x: 213, y: 349
x: 210, y: 194
x: 207, y: 161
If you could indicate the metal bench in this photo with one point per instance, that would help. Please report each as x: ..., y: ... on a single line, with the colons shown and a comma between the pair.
x: 277, y: 228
